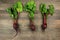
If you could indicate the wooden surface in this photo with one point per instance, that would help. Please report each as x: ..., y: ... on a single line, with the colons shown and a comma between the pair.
x: 52, y: 32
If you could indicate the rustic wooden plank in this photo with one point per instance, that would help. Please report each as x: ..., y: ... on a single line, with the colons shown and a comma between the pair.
x: 51, y: 33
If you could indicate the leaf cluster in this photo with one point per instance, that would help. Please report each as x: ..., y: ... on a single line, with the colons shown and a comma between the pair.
x: 44, y: 10
x: 13, y: 11
x: 30, y: 7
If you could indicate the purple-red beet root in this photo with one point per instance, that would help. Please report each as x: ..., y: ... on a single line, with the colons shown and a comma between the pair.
x: 32, y: 26
x: 16, y: 26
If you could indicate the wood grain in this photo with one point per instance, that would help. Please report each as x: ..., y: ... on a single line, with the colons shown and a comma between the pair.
x: 51, y: 33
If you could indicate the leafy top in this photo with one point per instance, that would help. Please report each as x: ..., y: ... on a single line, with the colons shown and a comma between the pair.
x: 43, y: 8
x: 46, y: 11
x: 13, y: 11
x: 30, y: 7
x: 18, y: 6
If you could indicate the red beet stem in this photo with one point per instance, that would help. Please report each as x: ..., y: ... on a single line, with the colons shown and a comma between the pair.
x: 44, y: 20
x: 44, y: 26
x: 32, y: 26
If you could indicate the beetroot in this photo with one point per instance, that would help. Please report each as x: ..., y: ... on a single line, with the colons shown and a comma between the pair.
x: 45, y: 12
x: 30, y: 7
x: 14, y: 12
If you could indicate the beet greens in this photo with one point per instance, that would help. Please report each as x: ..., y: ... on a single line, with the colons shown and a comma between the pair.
x: 45, y: 12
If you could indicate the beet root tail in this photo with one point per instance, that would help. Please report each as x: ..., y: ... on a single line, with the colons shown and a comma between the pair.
x: 16, y: 27
x: 32, y: 27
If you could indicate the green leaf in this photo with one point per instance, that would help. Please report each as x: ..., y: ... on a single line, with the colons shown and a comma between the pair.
x: 31, y: 15
x: 19, y: 7
x: 10, y: 13
x: 43, y: 8
x: 8, y: 10
x: 30, y: 6
x: 51, y: 9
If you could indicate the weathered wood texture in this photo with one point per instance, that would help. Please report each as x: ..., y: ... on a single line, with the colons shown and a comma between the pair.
x: 52, y: 32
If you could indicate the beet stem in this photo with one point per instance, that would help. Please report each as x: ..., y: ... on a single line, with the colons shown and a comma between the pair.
x: 44, y: 25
